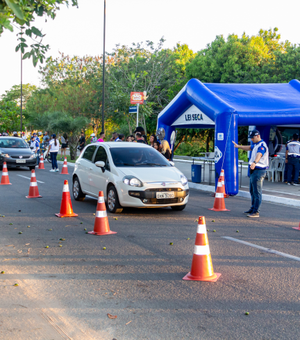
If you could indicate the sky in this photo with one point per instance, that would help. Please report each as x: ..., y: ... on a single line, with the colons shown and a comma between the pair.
x: 79, y: 31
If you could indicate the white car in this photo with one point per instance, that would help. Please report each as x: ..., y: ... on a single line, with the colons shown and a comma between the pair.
x: 130, y: 175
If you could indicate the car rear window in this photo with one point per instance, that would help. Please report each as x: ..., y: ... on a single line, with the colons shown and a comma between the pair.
x: 10, y: 143
x: 141, y: 157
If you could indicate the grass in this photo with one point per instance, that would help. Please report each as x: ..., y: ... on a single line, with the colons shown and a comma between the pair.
x: 68, y: 158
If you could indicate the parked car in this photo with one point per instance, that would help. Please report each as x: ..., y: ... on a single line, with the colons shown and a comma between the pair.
x: 130, y: 175
x: 16, y: 152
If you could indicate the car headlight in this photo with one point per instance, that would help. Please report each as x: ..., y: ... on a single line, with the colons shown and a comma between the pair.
x: 132, y: 181
x: 6, y: 155
x: 183, y: 180
x: 33, y: 155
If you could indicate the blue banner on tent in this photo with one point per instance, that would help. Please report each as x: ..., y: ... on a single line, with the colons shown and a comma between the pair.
x: 132, y: 109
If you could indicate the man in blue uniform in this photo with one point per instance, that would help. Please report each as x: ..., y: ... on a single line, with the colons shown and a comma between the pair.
x: 259, y: 162
x: 292, y: 157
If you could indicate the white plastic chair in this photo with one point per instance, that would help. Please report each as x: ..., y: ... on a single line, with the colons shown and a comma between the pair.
x: 280, y: 165
x: 271, y: 170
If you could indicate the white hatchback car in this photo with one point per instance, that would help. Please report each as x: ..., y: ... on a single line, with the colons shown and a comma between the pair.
x: 130, y: 175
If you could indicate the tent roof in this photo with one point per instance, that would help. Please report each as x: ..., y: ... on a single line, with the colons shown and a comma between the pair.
x: 255, y: 104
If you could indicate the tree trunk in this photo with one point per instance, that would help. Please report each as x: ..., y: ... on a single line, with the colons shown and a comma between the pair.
x: 73, y: 142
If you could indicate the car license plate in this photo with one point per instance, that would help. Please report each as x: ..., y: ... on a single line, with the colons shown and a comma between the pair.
x: 20, y: 160
x: 160, y: 195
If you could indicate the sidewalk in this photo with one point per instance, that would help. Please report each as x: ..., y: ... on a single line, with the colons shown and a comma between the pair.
x: 276, y: 192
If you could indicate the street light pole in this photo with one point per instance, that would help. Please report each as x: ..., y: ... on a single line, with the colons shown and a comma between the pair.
x: 103, y: 72
x: 21, y: 122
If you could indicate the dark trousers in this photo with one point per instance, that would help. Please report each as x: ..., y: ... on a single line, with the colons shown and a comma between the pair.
x: 293, y: 164
x: 256, y: 183
x: 54, y: 160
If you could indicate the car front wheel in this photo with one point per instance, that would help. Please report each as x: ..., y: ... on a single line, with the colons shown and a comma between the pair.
x: 77, y: 192
x: 178, y: 207
x: 113, y: 205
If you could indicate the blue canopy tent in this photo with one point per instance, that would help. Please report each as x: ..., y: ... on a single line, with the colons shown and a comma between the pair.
x: 227, y: 106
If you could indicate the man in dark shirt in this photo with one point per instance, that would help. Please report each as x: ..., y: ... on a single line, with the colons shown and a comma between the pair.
x: 139, y: 138
x: 81, y: 142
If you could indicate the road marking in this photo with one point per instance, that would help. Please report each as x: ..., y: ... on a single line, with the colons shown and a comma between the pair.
x: 268, y: 250
x: 30, y: 178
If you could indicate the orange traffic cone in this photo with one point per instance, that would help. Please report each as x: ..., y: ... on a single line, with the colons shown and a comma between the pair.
x: 5, y: 178
x: 33, y: 187
x: 64, y: 170
x: 297, y: 228
x: 223, y: 183
x: 101, y: 226
x: 66, y: 209
x: 202, y: 268
x: 41, y: 165
x: 219, y: 204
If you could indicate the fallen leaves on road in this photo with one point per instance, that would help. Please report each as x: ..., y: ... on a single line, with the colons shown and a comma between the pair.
x: 111, y: 316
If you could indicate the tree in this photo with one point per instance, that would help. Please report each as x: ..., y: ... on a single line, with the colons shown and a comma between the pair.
x: 14, y: 94
x: 9, y: 116
x: 23, y: 13
x: 237, y: 60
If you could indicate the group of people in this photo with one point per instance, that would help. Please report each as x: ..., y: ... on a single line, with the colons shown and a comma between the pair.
x: 139, y: 137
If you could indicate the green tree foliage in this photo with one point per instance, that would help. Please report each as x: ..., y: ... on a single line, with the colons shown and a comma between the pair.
x: 9, y: 116
x: 14, y: 94
x: 23, y: 13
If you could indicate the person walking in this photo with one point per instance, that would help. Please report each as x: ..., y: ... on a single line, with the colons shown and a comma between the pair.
x: 292, y: 156
x: 259, y: 162
x: 53, y: 149
x: 35, y: 147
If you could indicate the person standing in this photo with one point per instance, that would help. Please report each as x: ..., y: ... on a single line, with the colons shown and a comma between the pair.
x: 102, y: 136
x: 259, y: 162
x: 292, y: 156
x: 81, y: 142
x: 64, y: 145
x: 165, y: 149
x: 35, y: 146
x: 53, y: 149
x: 93, y: 138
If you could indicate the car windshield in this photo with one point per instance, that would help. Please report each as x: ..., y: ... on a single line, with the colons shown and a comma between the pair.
x: 11, y: 143
x: 141, y: 157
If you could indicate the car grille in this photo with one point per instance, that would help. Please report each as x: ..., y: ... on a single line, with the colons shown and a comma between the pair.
x: 17, y: 157
x: 150, y: 195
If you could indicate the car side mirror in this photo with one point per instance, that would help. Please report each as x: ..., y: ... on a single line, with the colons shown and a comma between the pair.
x: 172, y: 163
x: 101, y: 165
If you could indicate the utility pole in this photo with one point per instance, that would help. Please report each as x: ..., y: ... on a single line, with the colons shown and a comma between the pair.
x: 103, y: 72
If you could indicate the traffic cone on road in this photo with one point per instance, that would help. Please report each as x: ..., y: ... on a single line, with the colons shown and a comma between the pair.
x: 219, y: 203
x: 101, y: 226
x: 33, y: 187
x: 41, y: 164
x: 66, y: 209
x: 297, y: 228
x: 64, y: 170
x: 223, y: 183
x: 202, y: 268
x: 5, y: 178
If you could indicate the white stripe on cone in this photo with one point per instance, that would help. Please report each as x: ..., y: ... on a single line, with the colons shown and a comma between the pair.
x: 219, y: 195
x: 33, y: 174
x: 201, y: 229
x: 219, y: 184
x: 101, y: 214
x: 33, y: 184
x: 66, y: 188
x: 100, y: 199
x: 4, y: 174
x: 201, y: 250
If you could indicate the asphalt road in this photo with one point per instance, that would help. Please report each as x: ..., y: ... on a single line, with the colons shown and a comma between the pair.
x: 66, y: 292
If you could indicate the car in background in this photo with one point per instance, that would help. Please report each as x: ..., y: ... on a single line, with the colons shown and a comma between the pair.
x: 130, y: 175
x: 16, y: 152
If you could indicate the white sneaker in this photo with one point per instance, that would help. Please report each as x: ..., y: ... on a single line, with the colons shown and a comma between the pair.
x: 57, y: 170
x: 295, y: 184
x: 52, y: 170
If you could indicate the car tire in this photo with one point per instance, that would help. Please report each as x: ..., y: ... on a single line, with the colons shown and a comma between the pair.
x: 76, y: 189
x: 113, y: 204
x: 32, y: 168
x: 178, y: 207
